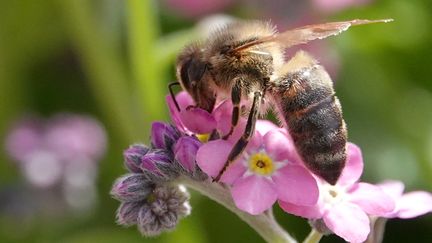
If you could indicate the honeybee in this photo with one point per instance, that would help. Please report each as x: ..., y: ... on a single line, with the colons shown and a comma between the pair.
x: 245, y: 61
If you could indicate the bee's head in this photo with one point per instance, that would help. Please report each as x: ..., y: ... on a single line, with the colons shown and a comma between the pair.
x: 193, y: 76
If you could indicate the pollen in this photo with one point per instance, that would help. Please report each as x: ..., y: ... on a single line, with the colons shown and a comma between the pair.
x: 204, y: 137
x: 261, y: 163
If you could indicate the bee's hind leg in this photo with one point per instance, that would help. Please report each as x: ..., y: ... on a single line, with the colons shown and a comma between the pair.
x: 241, y: 144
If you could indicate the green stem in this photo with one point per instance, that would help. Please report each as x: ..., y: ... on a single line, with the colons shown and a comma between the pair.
x: 263, y: 224
x: 147, y: 75
x: 170, y: 45
x: 103, y: 67
x: 313, y: 237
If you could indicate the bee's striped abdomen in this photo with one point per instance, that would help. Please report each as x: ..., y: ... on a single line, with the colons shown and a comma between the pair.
x: 313, y: 115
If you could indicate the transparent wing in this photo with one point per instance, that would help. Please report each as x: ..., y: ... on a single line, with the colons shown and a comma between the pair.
x: 308, y: 33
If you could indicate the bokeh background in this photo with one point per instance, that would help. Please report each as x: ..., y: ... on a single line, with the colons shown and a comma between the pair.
x: 112, y: 60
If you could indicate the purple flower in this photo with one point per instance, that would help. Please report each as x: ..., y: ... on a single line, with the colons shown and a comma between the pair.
x: 163, y: 135
x: 25, y: 137
x: 267, y: 171
x: 132, y: 157
x: 345, y: 207
x: 73, y: 137
x: 408, y: 205
x: 61, y: 149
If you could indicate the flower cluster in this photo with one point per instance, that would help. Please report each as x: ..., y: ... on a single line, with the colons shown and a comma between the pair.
x: 153, y: 207
x: 60, y: 152
x: 147, y: 194
x: 268, y: 171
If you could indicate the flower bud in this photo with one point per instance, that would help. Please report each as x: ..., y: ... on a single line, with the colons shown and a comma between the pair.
x: 147, y: 222
x: 163, y: 135
x: 162, y: 210
x: 158, y: 165
x: 133, y: 155
x: 131, y: 188
x: 127, y: 213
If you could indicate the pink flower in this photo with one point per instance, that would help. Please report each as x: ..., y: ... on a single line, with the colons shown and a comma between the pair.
x: 74, y: 137
x: 268, y: 170
x: 196, y: 8
x: 338, y: 5
x: 408, y: 205
x: 193, y: 120
x: 345, y: 207
x: 65, y: 147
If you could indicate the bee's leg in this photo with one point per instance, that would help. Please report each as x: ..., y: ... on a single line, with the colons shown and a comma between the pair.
x: 236, y: 94
x: 170, y: 85
x: 241, y: 144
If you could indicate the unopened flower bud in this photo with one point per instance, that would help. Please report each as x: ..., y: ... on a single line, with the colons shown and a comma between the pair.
x: 133, y: 155
x: 147, y: 222
x: 162, y: 210
x: 163, y: 135
x: 158, y: 165
x: 127, y: 213
x: 131, y: 188
x: 168, y: 220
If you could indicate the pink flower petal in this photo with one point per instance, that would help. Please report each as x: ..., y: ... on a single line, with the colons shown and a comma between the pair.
x: 278, y: 145
x: 198, y: 120
x: 238, y: 130
x: 310, y: 212
x: 372, y: 199
x: 223, y: 107
x: 354, y: 166
x: 174, y: 113
x: 233, y: 172
x: 184, y: 100
x: 348, y: 221
x: 414, y: 204
x: 222, y: 114
x: 185, y: 151
x: 212, y: 156
x: 255, y: 143
x: 392, y: 188
x: 254, y: 194
x: 294, y: 184
x: 265, y: 126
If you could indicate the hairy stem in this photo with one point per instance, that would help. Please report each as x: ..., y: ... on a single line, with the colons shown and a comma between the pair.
x: 313, y: 237
x: 263, y: 224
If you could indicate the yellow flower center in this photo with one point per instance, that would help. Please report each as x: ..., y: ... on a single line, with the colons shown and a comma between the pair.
x: 261, y: 163
x: 204, y: 137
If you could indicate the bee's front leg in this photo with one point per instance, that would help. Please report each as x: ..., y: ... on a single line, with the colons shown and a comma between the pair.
x: 241, y: 144
x: 236, y: 94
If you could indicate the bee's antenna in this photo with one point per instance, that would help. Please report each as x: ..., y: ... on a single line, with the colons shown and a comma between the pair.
x: 172, y: 94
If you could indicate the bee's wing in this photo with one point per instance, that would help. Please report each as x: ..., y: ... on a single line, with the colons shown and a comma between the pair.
x: 308, y: 33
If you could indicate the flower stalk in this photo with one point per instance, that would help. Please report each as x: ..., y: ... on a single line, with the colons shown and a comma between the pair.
x: 313, y: 237
x: 264, y: 224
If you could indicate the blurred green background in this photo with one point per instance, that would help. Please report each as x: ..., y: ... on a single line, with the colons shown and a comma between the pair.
x: 113, y: 59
